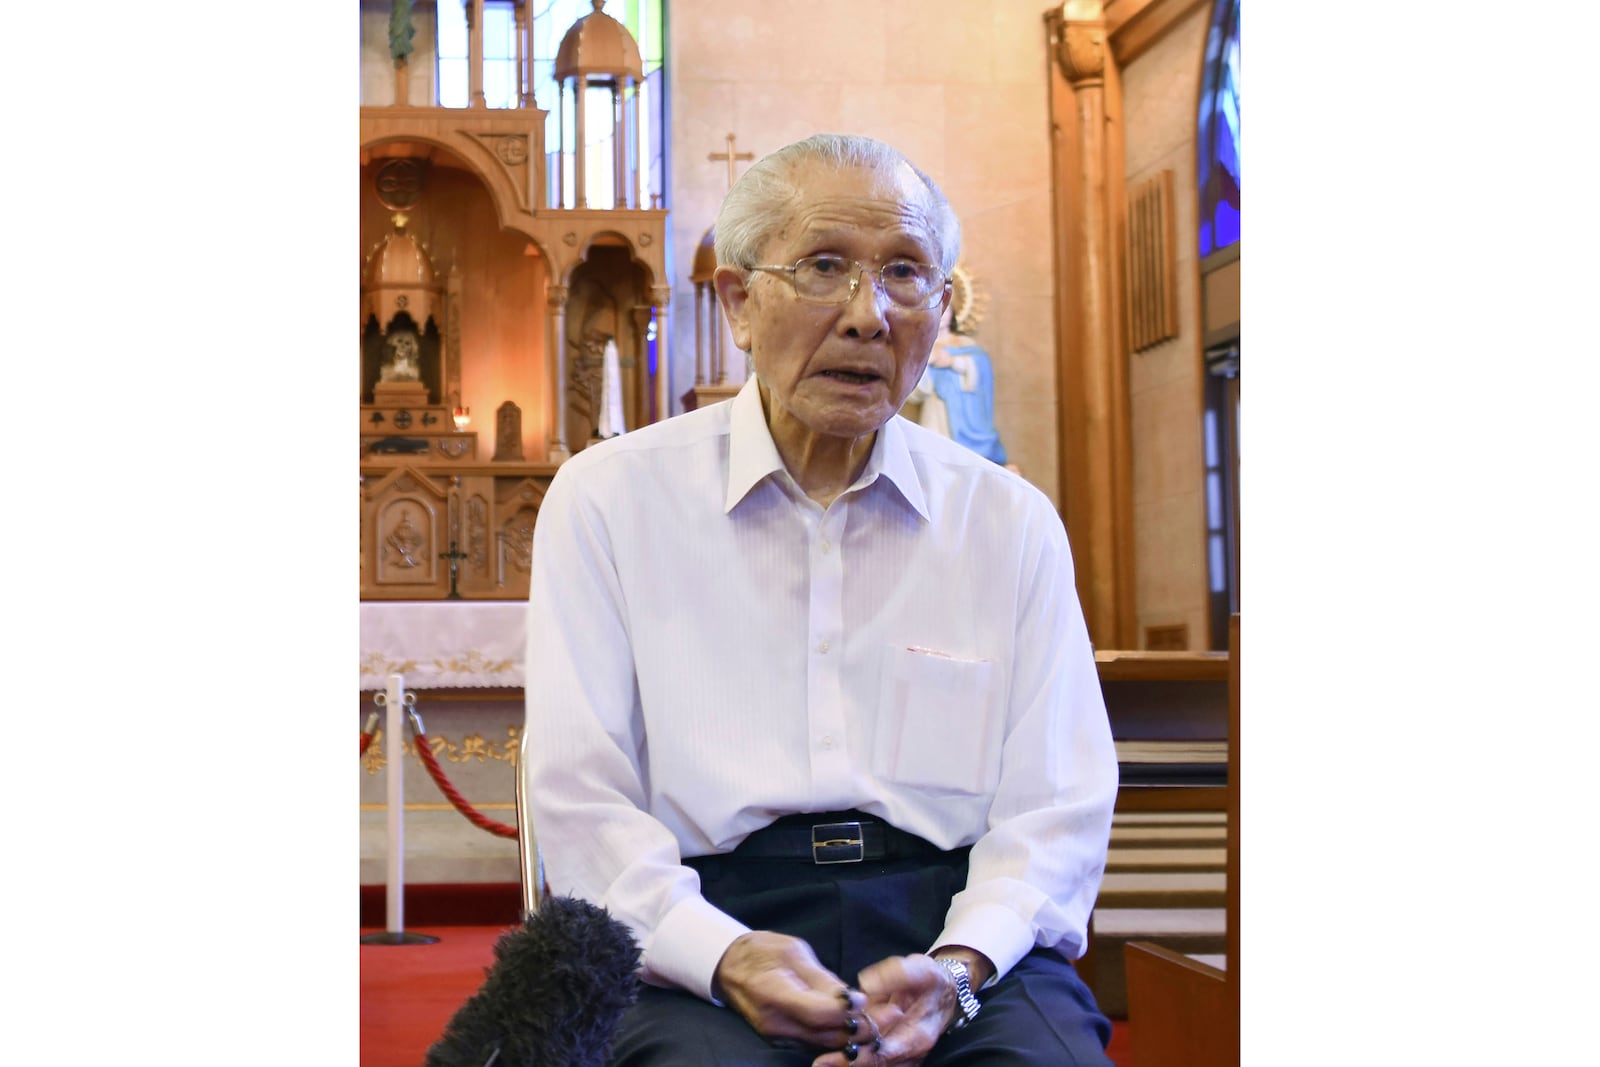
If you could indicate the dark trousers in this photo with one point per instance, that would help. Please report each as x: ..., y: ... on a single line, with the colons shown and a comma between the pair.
x: 1040, y: 1014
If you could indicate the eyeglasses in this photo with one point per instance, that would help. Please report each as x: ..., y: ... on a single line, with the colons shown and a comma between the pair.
x: 834, y: 280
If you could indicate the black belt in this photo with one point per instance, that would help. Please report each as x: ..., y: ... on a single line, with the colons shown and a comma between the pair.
x: 844, y: 837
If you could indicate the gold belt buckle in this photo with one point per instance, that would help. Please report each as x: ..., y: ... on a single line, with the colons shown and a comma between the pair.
x: 837, y: 842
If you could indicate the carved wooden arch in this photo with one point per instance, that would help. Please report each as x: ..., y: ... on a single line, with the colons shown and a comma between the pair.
x: 496, y: 184
x: 652, y: 267
x: 614, y: 276
x: 505, y: 151
x: 510, y: 218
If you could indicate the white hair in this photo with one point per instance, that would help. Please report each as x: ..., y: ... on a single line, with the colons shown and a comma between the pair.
x: 758, y: 202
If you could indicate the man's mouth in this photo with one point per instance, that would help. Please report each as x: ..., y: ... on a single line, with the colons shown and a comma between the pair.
x: 852, y: 377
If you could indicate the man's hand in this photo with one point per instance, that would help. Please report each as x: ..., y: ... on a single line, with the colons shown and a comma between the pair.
x: 780, y: 988
x: 911, y: 1001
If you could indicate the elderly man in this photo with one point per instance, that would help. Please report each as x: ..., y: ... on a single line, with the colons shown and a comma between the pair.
x: 812, y: 707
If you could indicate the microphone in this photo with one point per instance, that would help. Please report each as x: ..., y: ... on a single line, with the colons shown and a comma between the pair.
x: 554, y: 996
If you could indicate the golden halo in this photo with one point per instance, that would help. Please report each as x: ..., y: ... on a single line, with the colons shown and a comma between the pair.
x: 967, y: 304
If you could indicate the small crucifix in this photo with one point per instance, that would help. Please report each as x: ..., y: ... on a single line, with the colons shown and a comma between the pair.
x: 731, y: 156
x: 455, y: 556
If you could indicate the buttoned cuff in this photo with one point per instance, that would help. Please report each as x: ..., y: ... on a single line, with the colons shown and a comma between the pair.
x: 687, y: 945
x: 995, y: 931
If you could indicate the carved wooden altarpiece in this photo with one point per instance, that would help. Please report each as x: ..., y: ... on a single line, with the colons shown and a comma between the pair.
x: 476, y: 295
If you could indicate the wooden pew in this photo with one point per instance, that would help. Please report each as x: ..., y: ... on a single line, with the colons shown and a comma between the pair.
x: 1165, y: 870
x: 1183, y: 1012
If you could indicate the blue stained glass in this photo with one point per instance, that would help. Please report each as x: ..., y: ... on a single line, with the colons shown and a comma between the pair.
x: 1227, y: 225
x: 1218, y: 132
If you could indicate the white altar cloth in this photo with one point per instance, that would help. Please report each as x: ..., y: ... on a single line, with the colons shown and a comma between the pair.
x: 442, y: 644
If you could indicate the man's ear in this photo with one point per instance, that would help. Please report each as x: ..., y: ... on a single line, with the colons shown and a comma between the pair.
x: 734, y: 295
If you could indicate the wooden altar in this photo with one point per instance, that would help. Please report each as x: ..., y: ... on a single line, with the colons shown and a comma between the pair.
x: 507, y: 319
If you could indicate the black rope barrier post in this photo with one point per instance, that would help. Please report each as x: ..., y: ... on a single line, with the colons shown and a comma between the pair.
x: 394, y: 701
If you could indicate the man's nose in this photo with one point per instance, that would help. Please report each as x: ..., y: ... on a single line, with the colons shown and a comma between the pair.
x: 865, y: 311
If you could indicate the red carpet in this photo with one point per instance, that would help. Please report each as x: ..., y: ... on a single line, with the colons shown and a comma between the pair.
x: 409, y: 992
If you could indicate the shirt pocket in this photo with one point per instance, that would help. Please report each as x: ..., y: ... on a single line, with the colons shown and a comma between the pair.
x: 936, y: 726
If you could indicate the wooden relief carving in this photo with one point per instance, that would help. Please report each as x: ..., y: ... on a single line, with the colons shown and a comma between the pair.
x: 510, y: 151
x: 508, y: 432
x: 478, y: 534
x: 516, y: 543
x: 407, y: 531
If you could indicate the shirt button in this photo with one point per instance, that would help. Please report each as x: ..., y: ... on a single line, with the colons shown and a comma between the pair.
x: 827, y: 740
x: 826, y: 545
x: 823, y: 646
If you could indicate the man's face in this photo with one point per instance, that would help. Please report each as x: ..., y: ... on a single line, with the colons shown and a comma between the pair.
x: 838, y: 370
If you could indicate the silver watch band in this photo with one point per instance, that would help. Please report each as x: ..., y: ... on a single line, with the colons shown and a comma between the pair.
x: 966, y: 1002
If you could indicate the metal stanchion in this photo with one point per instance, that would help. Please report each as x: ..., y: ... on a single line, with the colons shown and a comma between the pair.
x: 395, y: 701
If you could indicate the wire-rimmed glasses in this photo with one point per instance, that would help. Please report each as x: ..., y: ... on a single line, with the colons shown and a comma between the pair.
x: 834, y: 280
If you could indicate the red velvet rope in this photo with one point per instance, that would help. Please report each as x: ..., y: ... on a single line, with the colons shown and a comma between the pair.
x: 482, y: 822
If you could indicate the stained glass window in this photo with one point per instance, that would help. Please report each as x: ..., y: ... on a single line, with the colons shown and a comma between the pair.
x: 1218, y: 162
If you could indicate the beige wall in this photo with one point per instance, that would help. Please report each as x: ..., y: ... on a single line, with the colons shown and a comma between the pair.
x: 1160, y: 96
x: 961, y: 88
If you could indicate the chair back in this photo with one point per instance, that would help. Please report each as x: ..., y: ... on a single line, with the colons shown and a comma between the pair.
x: 530, y: 862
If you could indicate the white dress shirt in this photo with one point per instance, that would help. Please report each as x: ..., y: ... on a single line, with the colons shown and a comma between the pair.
x: 709, y: 649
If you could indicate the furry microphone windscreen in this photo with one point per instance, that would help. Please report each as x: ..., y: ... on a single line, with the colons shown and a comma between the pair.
x: 553, y: 998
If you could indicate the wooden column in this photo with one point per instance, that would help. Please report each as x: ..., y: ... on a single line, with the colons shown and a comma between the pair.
x: 475, y: 54
x: 524, y: 58
x: 636, y: 146
x: 561, y: 145
x: 661, y: 300
x: 556, y: 361
x: 619, y: 144
x: 1092, y: 384
x: 703, y: 319
x: 580, y: 135
x: 638, y: 379
x: 402, y: 83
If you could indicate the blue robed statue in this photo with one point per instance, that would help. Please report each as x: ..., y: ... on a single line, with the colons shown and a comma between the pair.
x: 957, y: 390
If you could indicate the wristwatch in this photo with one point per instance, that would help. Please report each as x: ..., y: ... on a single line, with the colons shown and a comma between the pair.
x: 965, y: 1001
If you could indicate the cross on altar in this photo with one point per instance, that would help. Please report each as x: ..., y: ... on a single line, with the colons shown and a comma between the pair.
x: 731, y: 156
x: 455, y: 556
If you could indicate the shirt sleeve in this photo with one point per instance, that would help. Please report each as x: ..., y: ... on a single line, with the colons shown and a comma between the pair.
x: 1035, y: 873
x: 586, y: 755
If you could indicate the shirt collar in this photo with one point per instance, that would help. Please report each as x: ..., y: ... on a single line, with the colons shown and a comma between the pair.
x: 752, y: 455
